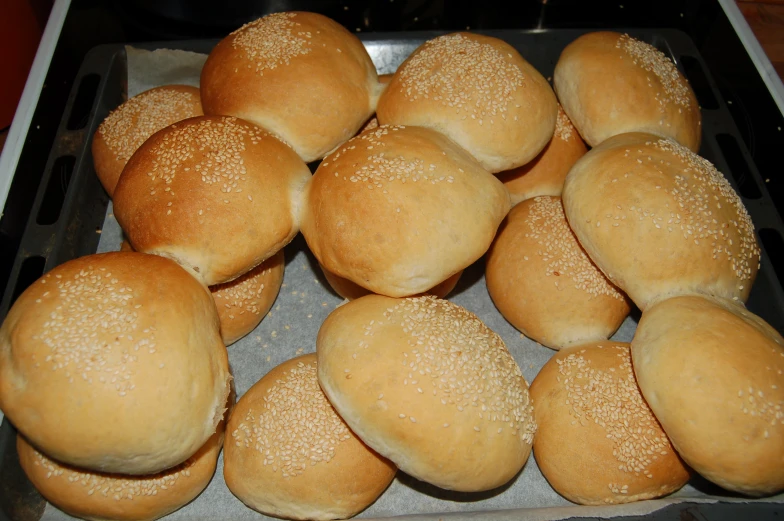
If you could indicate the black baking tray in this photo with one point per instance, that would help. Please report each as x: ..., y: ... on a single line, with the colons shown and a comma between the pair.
x: 69, y: 209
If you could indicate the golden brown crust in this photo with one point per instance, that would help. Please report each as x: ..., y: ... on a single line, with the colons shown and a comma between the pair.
x: 610, y: 84
x: 425, y: 383
x: 712, y: 373
x: 116, y: 497
x: 290, y: 455
x: 542, y: 281
x: 218, y: 195
x: 300, y: 75
x: 243, y: 302
x: 478, y: 91
x: 398, y: 210
x: 597, y: 441
x: 110, y: 371
x: 659, y: 220
x: 545, y: 175
x: 350, y: 291
x: 133, y: 122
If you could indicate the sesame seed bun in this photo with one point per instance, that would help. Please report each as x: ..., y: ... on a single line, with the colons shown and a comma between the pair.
x: 542, y: 281
x: 300, y: 75
x: 106, y: 370
x: 243, y: 302
x: 132, y: 123
x: 546, y: 173
x: 350, y: 291
x: 610, y: 83
x: 713, y: 374
x: 597, y: 440
x: 426, y: 384
x: 478, y: 91
x: 216, y: 194
x: 117, y: 497
x: 398, y: 210
x: 290, y: 455
x: 659, y: 220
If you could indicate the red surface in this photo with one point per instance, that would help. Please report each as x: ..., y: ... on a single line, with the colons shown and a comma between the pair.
x: 20, y: 33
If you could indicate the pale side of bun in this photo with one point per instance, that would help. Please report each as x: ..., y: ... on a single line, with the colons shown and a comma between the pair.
x: 711, y: 371
x: 116, y: 497
x: 610, y: 83
x: 398, y: 210
x: 597, y: 440
x: 425, y: 383
x: 300, y: 75
x: 243, y: 302
x: 216, y: 194
x: 545, y: 175
x: 132, y: 123
x: 350, y: 291
x: 372, y: 123
x: 478, y: 91
x: 290, y: 455
x: 659, y: 220
x: 111, y: 371
x: 544, y: 284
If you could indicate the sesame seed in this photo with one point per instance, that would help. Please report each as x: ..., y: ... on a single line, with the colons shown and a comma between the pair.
x: 675, y: 87
x: 133, y: 122
x: 270, y: 42
x: 459, y: 72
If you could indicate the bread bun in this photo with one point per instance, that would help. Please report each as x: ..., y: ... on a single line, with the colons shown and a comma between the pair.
x: 659, y: 220
x: 216, y: 194
x: 478, y: 91
x: 350, y: 291
x: 544, y: 284
x: 546, y: 173
x: 132, y: 123
x: 117, y: 497
x: 111, y: 371
x: 399, y: 210
x: 712, y: 373
x: 290, y: 455
x: 300, y: 75
x: 243, y: 302
x: 610, y: 83
x: 597, y: 441
x: 425, y: 383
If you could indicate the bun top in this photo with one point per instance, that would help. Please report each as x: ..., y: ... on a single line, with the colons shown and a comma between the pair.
x: 132, y: 123
x: 425, y: 383
x: 610, y: 83
x: 111, y: 371
x: 245, y: 301
x: 712, y: 372
x: 217, y: 194
x: 398, y: 210
x: 598, y: 441
x: 478, y: 91
x: 301, y: 76
x: 659, y: 220
x: 543, y: 282
x: 292, y: 456
x: 545, y: 174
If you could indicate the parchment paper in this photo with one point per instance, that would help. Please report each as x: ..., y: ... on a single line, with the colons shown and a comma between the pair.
x: 290, y: 329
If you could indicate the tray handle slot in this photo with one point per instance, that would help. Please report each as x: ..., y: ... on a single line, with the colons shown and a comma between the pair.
x: 699, y: 82
x: 738, y: 167
x: 774, y: 246
x: 56, y: 188
x: 31, y: 270
x: 83, y: 103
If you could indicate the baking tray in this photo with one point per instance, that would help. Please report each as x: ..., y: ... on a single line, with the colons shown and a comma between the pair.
x: 67, y: 216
